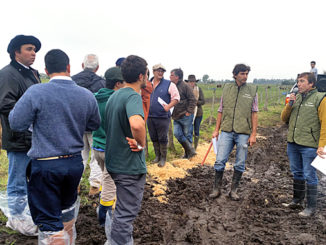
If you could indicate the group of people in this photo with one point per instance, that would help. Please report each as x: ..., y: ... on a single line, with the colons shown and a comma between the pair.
x: 305, y: 115
x: 50, y: 130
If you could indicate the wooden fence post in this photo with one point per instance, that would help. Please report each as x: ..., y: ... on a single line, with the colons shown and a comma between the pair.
x: 266, y: 100
x: 212, y: 109
x: 170, y: 137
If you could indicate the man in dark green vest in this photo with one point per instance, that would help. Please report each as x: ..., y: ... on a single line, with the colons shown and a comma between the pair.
x: 237, y: 119
x: 306, y: 139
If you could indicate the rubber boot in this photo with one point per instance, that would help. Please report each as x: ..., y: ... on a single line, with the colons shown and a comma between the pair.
x: 217, y: 184
x: 235, y: 183
x: 310, y: 210
x: 164, y: 151
x: 101, y: 213
x: 299, y: 192
x: 196, y: 140
x: 189, y: 150
x: 156, y: 146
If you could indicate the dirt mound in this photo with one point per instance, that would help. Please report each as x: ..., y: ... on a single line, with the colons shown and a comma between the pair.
x: 189, y: 217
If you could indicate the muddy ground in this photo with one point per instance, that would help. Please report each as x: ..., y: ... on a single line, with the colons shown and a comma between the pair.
x: 190, y: 217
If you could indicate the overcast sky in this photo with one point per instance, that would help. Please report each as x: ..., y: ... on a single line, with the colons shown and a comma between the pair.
x: 277, y: 38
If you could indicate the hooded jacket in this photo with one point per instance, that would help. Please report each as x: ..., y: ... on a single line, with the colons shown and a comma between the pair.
x: 99, y: 136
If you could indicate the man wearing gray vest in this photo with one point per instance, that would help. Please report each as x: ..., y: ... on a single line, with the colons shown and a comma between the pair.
x: 306, y: 139
x: 237, y: 119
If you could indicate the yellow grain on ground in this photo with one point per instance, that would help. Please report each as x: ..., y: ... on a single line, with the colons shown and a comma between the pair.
x: 166, y: 173
x: 159, y: 189
x: 177, y: 169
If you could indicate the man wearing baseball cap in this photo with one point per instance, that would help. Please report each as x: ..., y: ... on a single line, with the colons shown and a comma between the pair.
x: 165, y: 95
x: 15, y: 79
x: 114, y: 81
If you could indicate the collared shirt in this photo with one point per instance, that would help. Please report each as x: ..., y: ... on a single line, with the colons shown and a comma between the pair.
x: 61, y: 78
x: 22, y: 65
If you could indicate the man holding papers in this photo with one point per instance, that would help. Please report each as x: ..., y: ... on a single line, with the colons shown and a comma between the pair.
x: 307, y: 133
x: 165, y: 96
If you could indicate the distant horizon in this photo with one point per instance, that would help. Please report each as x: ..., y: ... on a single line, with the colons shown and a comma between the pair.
x: 277, y: 39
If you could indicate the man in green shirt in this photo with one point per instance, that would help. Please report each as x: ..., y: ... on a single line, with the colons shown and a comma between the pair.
x: 124, y: 155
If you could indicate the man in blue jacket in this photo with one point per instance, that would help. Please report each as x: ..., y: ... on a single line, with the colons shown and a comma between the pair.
x: 59, y: 112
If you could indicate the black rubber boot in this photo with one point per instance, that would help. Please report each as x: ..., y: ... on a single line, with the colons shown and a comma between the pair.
x: 310, y: 210
x: 217, y: 184
x: 196, y: 140
x: 164, y: 151
x: 299, y: 191
x: 235, y: 183
x: 189, y: 150
x: 156, y: 146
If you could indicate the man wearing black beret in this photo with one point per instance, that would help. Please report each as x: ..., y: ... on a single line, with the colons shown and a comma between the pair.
x: 15, y: 79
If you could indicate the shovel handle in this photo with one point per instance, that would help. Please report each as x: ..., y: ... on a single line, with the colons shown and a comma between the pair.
x: 209, y: 148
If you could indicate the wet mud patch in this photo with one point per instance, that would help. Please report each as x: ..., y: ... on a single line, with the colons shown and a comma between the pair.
x: 190, y: 217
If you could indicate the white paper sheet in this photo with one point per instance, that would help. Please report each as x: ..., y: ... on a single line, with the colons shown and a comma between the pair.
x: 214, y: 140
x: 162, y: 102
x: 320, y: 164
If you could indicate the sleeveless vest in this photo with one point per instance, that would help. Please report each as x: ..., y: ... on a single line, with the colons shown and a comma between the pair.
x: 162, y: 91
x: 304, y: 124
x: 237, y: 108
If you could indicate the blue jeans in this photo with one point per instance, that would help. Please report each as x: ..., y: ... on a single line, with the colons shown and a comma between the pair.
x: 226, y: 142
x: 194, y: 128
x: 182, y: 127
x: 16, y: 186
x: 300, y: 158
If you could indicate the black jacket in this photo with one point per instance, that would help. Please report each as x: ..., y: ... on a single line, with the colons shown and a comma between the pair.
x: 88, y: 79
x: 14, y: 81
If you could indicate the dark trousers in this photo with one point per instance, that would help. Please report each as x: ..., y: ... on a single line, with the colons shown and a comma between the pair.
x: 52, y: 187
x: 130, y: 189
x: 158, y: 129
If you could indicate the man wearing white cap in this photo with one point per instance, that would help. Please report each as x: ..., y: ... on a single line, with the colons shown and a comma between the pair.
x: 165, y: 96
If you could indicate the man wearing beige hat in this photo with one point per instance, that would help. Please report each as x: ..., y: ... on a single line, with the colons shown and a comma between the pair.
x: 165, y: 96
